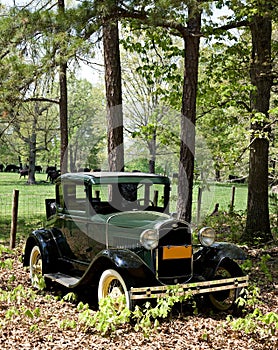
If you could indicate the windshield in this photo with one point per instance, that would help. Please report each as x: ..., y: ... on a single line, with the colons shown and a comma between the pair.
x: 117, y: 197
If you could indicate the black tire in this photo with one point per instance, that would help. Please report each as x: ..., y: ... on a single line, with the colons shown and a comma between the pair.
x: 225, y: 300
x: 37, y: 268
x: 112, y: 284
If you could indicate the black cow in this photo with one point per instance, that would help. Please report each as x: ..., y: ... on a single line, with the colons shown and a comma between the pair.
x: 50, y: 168
x: 2, y: 167
x: 52, y: 175
x: 38, y: 168
x: 236, y: 179
x: 23, y: 172
x: 11, y: 168
x: 84, y: 170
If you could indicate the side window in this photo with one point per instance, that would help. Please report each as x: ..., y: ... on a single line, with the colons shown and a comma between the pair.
x: 101, y: 193
x: 59, y: 196
x: 74, y: 196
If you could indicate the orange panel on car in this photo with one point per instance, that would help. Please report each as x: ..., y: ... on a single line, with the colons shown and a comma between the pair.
x: 177, y: 252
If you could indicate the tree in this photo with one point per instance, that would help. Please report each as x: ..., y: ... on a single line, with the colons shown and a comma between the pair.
x: 223, y: 106
x: 31, y: 132
x: 86, y: 124
x: 171, y: 16
x: 257, y: 16
x: 262, y: 79
x: 49, y: 37
x: 151, y: 69
x: 113, y: 86
x: 63, y: 102
x: 188, y: 114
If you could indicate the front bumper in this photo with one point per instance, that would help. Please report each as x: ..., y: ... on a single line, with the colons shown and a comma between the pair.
x: 188, y: 288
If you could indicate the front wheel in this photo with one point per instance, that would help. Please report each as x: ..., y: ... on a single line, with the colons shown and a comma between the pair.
x: 36, y: 268
x: 113, y: 285
x: 225, y: 300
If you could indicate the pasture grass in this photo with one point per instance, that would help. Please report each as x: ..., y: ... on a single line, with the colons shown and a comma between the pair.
x: 32, y: 202
x: 31, y: 208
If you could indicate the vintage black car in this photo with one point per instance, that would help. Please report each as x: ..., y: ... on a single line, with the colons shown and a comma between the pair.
x: 113, y: 232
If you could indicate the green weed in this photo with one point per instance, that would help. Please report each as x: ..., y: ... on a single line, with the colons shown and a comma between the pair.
x: 264, y: 268
x: 257, y: 322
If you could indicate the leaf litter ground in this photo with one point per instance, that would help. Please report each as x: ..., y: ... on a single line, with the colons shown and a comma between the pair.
x: 41, y: 320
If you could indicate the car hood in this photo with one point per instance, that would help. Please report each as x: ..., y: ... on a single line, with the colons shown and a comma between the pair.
x: 136, y: 219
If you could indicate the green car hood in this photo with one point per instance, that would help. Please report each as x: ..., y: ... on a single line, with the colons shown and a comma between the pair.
x: 136, y: 219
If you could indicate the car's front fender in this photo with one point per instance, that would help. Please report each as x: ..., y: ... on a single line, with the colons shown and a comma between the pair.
x: 128, y: 263
x: 220, y: 250
x: 206, y: 259
x: 43, y: 238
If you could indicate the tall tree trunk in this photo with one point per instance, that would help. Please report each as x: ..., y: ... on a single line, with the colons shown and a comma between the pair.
x: 32, y: 153
x: 188, y: 117
x: 63, y: 106
x: 258, y: 225
x: 113, y: 96
x: 152, y: 149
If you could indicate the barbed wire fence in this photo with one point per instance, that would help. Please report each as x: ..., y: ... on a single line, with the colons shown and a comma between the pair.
x: 29, y: 205
x: 31, y: 211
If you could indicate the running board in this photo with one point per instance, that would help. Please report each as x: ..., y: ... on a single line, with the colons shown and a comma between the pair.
x: 65, y: 280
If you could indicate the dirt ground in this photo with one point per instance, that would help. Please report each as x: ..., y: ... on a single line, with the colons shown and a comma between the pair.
x: 39, y: 320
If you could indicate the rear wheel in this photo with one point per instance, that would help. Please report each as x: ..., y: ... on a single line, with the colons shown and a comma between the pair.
x: 112, y: 284
x: 225, y: 300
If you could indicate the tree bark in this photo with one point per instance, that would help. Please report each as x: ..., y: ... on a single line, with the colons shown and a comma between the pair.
x: 258, y: 225
x: 32, y: 153
x: 113, y: 96
x: 152, y: 149
x: 63, y: 106
x: 188, y: 117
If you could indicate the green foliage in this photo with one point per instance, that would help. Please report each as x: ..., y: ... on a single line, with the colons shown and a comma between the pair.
x: 141, y: 164
x: 257, y: 322
x: 86, y: 124
x: 67, y: 324
x: 264, y: 268
x: 39, y: 282
x: 254, y: 321
x: 7, y: 263
x: 228, y: 226
x: 110, y: 315
x: 71, y: 297
x: 147, y: 317
x: 113, y: 314
x: 250, y: 298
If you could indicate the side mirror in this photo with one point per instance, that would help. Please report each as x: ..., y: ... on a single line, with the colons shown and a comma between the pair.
x: 50, y: 206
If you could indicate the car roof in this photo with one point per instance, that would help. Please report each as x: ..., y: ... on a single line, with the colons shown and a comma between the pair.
x: 105, y: 177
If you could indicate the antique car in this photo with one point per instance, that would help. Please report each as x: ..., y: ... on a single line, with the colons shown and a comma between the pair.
x: 112, y: 231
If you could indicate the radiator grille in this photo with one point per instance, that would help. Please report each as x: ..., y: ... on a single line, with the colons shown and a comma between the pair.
x: 174, y: 270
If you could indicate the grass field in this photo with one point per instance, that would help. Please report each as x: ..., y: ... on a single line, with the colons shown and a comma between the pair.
x: 31, y: 210
x: 32, y: 201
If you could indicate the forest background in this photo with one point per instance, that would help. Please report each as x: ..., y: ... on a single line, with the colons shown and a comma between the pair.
x: 171, y: 70
x: 184, y: 88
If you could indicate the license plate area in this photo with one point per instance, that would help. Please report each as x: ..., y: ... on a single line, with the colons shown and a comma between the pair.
x: 176, y: 252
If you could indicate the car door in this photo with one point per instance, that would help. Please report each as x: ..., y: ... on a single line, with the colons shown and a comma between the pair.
x: 75, y: 224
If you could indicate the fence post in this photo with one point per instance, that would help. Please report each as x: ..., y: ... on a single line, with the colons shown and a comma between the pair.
x: 14, y: 219
x: 232, y: 204
x: 199, y: 203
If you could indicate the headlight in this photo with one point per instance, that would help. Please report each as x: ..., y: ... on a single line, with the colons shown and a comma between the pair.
x: 206, y: 236
x: 149, y: 239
